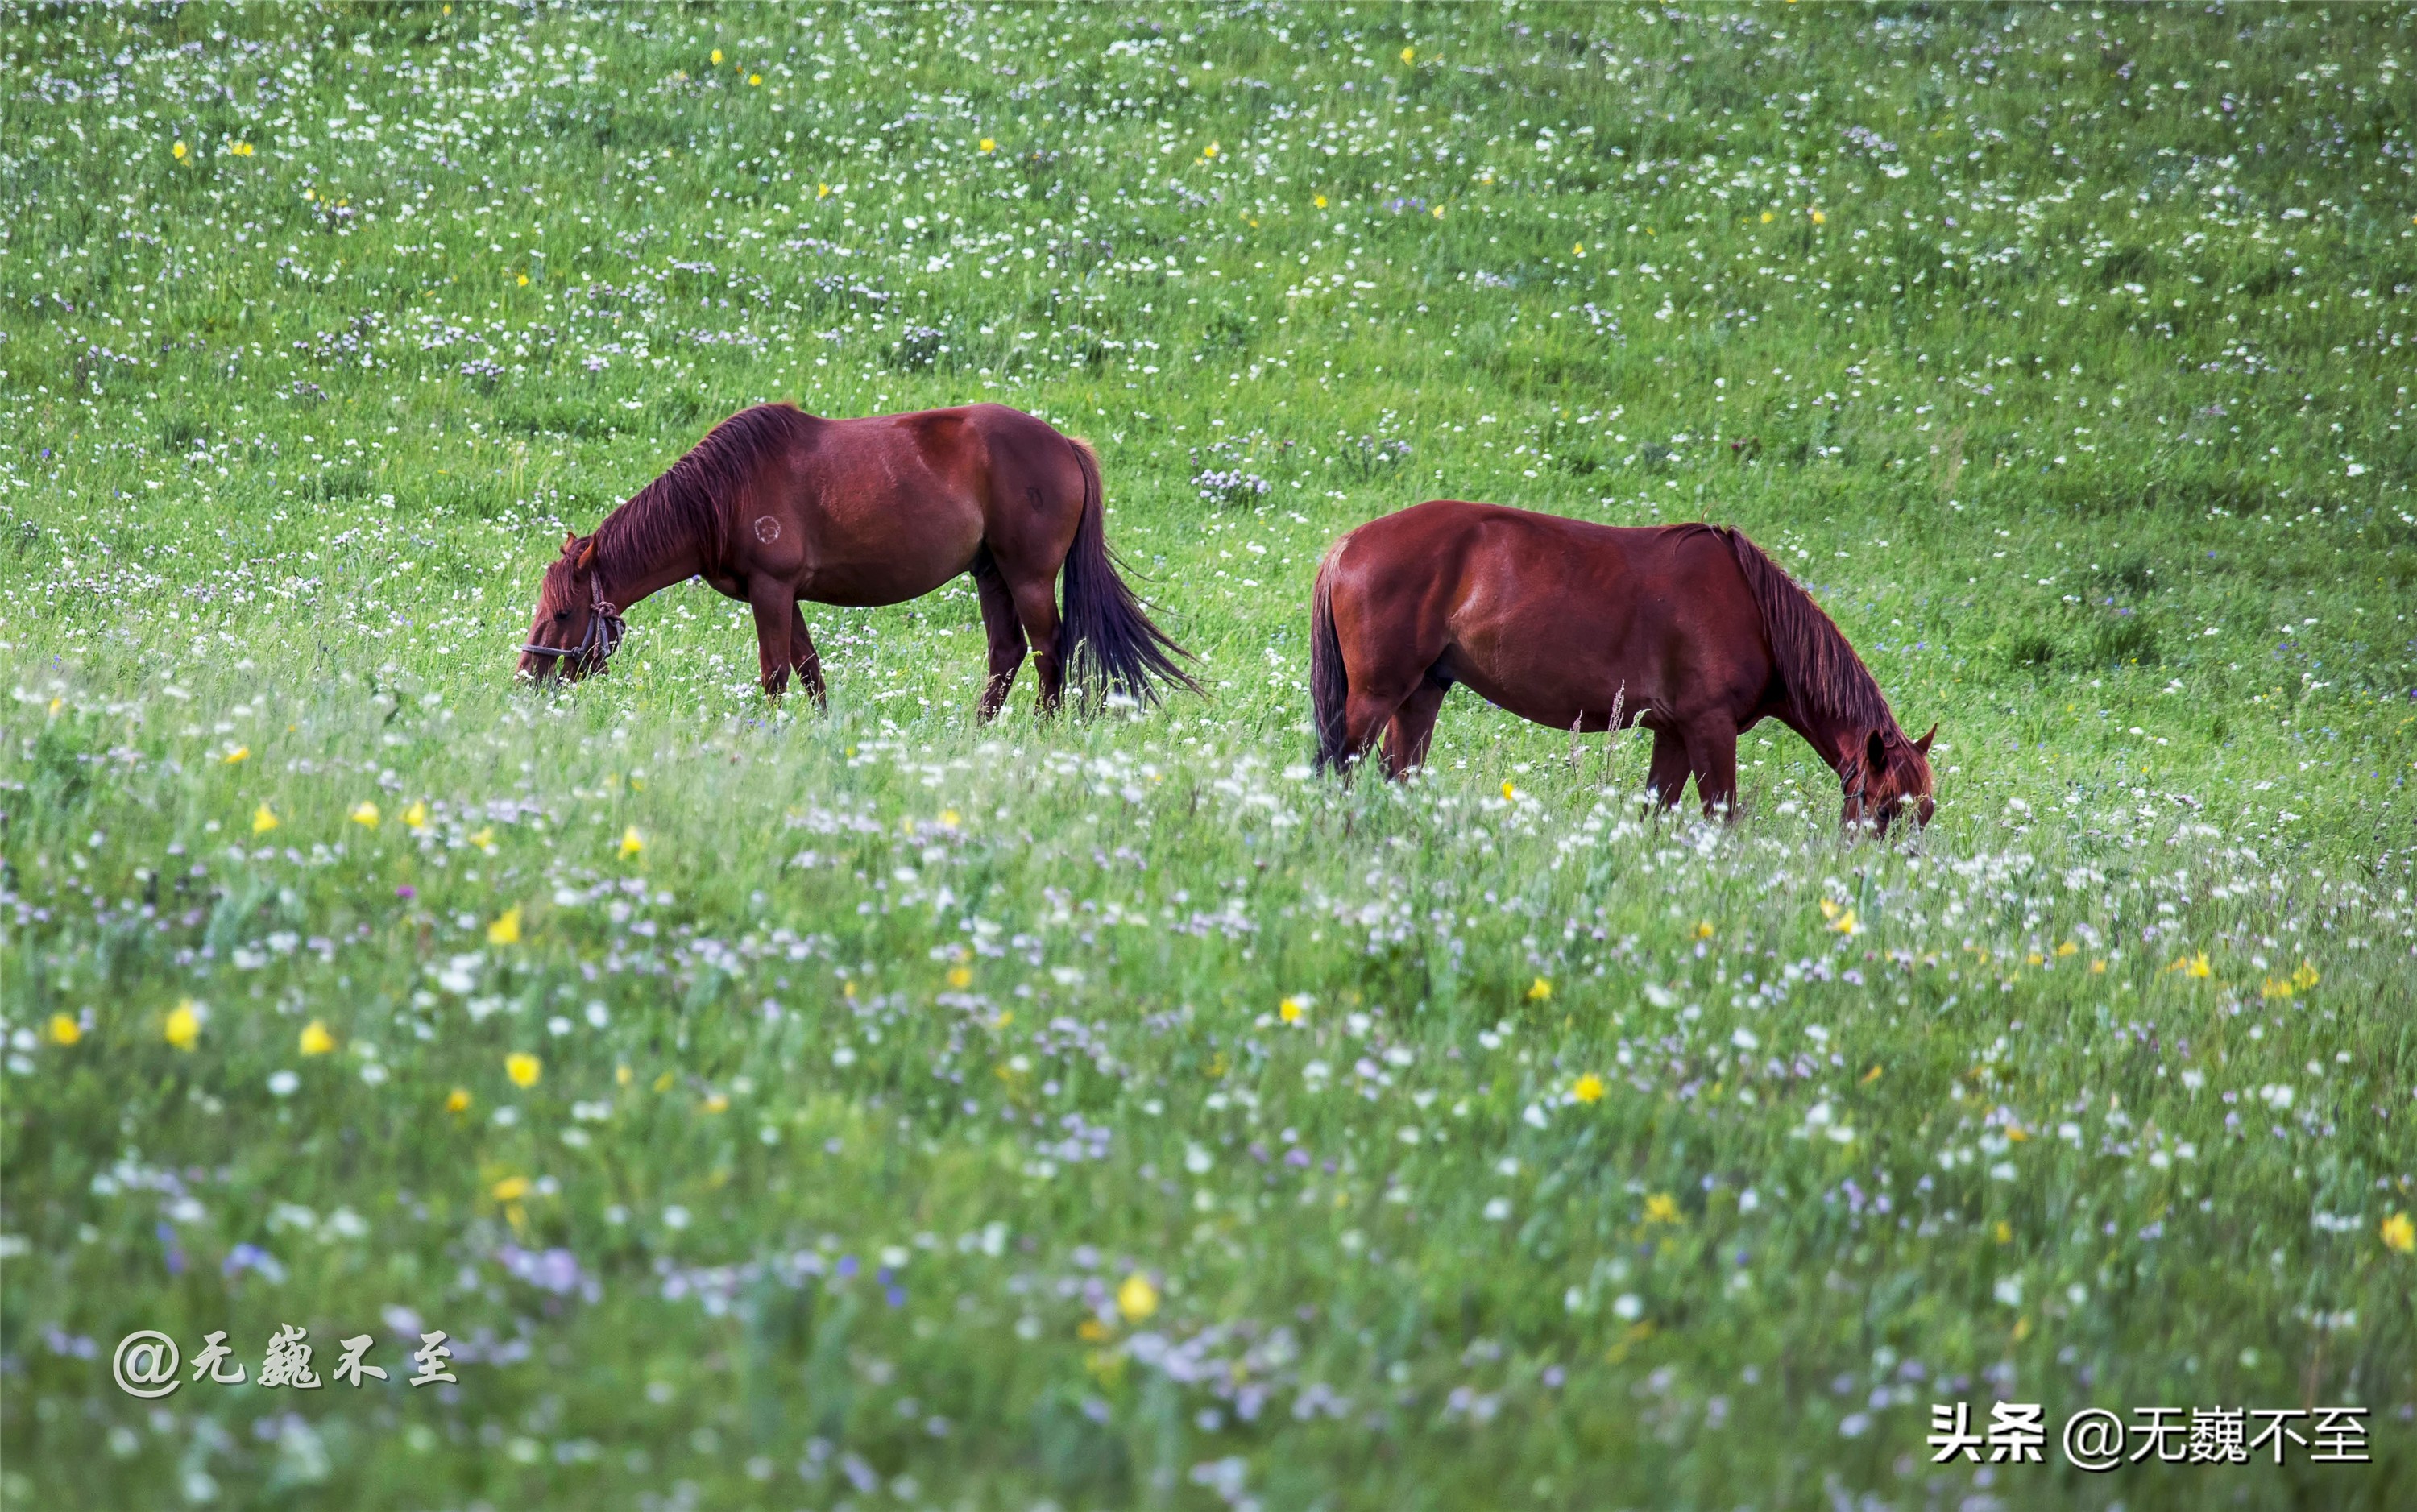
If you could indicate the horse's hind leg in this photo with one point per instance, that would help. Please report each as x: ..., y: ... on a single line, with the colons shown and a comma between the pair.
x: 805, y: 659
x: 1005, y: 635
x: 1036, y: 606
x: 1412, y: 728
x: 775, y: 605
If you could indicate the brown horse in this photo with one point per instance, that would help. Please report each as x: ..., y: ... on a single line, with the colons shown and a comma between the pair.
x: 775, y: 506
x: 1688, y: 630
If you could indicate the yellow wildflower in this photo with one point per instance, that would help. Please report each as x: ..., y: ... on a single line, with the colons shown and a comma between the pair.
x: 1704, y: 928
x: 316, y: 1040
x: 507, y: 927
x: 512, y: 1188
x: 1409, y: 54
x: 184, y: 1026
x: 1510, y: 791
x: 1818, y: 218
x: 755, y: 79
x: 416, y: 817
x: 1319, y: 201
x: 2067, y: 948
x: 2305, y: 977
x: 235, y: 756
x: 365, y: 814
x: 622, y: 1076
x: 1091, y: 1330
x: 1290, y: 1010
x: 523, y: 1068
x: 1768, y: 218
x: 263, y: 820
x: 1660, y: 1208
x: 1137, y: 1298
x: 989, y: 145
x: 632, y: 842
x: 65, y: 1030
x: 485, y: 839
x: 822, y: 191
x: 1539, y: 990
x: 716, y: 1103
x: 524, y: 283
x: 716, y: 59
x: 2005, y: 1232
x: 178, y: 151
x: 2399, y: 1233
x: 457, y: 1101
x: 960, y: 978
x: 1587, y: 1088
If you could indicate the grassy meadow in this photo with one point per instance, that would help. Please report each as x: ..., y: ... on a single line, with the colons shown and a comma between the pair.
x: 785, y: 1110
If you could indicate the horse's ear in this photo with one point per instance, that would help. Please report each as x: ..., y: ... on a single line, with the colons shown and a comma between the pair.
x: 588, y: 557
x: 1923, y: 744
x: 1876, y: 751
x: 569, y: 540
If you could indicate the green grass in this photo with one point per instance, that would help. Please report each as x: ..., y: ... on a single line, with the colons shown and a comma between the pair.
x: 2064, y: 354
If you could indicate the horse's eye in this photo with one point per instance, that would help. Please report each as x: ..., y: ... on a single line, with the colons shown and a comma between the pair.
x: 561, y: 614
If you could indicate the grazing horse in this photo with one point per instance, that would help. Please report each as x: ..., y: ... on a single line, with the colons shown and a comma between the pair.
x: 775, y: 506
x: 1688, y: 630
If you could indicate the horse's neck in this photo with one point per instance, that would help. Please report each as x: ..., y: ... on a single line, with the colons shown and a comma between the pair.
x: 631, y: 573
x: 1839, y: 742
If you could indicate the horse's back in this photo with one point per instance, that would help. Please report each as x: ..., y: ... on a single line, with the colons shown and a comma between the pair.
x: 1460, y: 537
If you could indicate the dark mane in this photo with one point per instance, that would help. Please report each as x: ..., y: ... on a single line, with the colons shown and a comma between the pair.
x: 688, y: 504
x: 1822, y: 674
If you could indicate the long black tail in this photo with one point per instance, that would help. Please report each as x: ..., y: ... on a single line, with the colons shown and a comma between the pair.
x: 1330, y: 683
x: 1110, y: 643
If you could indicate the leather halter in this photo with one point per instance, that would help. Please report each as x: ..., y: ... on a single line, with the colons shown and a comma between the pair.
x: 1855, y: 795
x: 605, y: 629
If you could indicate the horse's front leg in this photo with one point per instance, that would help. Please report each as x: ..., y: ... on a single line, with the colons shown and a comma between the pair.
x: 1666, y: 776
x: 1711, y: 753
x: 776, y: 605
x: 803, y: 657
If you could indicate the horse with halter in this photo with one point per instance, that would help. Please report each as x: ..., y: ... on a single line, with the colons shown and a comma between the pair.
x: 776, y: 506
x: 1687, y: 630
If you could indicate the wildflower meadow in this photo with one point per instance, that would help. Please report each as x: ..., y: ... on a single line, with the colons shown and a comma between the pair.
x: 693, y: 1101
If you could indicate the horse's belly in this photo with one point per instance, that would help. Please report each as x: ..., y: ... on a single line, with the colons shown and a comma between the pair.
x: 867, y: 585
x: 1554, y: 668
x: 911, y: 556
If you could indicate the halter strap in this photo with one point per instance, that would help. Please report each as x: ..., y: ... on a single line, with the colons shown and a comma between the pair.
x: 605, y: 629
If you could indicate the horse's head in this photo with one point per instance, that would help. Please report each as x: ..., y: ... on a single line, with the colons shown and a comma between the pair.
x: 1891, y: 777
x: 575, y: 628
